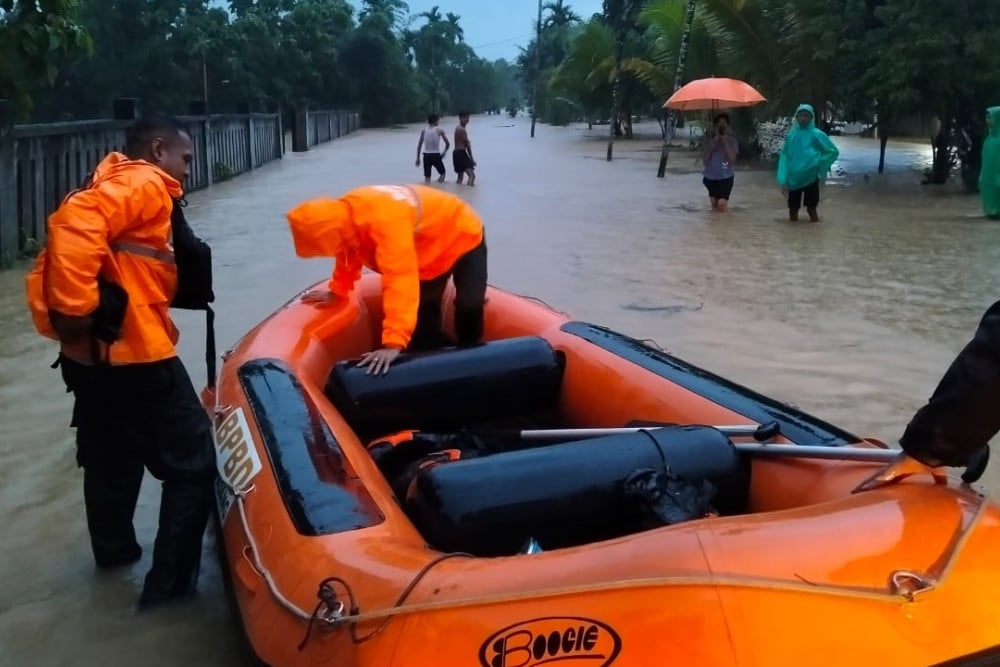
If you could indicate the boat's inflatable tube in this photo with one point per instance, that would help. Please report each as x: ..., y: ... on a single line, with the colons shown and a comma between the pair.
x: 449, y: 389
x: 566, y: 494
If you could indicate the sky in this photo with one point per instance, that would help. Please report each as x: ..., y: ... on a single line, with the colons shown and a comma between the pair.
x: 495, y: 28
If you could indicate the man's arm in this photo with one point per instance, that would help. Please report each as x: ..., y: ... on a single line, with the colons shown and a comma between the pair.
x: 828, y: 153
x: 962, y: 414
x: 447, y: 144
x: 468, y: 146
x: 420, y: 144
x: 731, y: 146
x: 346, y: 272
x: 397, y: 261
x: 79, y: 233
x: 782, y: 176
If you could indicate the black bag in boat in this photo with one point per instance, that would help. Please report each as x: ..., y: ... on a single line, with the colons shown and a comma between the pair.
x: 666, y: 499
x: 194, y: 264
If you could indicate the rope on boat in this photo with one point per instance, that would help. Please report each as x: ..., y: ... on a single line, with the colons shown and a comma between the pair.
x: 240, y: 494
x: 337, y: 618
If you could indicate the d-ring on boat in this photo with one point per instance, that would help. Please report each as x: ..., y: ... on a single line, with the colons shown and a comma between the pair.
x: 564, y: 494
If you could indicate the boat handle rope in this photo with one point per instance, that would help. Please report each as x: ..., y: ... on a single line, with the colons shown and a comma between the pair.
x: 329, y: 610
x: 335, y: 616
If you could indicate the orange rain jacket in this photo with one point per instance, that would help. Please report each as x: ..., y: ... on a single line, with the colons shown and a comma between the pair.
x: 406, y: 233
x: 117, y: 226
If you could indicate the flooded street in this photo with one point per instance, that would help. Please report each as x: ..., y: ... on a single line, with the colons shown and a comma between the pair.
x: 854, y: 319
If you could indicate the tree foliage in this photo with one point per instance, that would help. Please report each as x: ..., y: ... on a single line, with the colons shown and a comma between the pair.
x: 392, y: 66
x: 35, y: 35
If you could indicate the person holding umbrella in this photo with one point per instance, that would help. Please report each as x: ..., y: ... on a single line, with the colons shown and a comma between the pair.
x: 716, y: 93
x: 720, y: 154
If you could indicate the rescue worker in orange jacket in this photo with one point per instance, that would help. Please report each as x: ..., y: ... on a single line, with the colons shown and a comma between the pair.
x: 107, y: 275
x: 416, y: 237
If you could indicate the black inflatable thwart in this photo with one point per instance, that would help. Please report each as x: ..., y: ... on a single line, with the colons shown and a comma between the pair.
x: 449, y: 389
x: 567, y: 494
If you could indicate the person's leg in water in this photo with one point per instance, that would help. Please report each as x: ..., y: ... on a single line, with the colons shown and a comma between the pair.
x: 470, y: 276
x: 458, y: 164
x: 811, y: 196
x: 711, y: 193
x: 180, y: 452
x: 723, y: 191
x: 112, y: 469
x: 794, y: 204
x: 471, y: 173
x: 439, y: 165
x: 427, y: 167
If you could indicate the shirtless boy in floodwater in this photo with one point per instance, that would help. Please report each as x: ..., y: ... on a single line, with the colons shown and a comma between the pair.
x: 461, y: 157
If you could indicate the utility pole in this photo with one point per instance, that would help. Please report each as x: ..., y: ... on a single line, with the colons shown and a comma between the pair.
x: 538, y: 68
x: 204, y: 79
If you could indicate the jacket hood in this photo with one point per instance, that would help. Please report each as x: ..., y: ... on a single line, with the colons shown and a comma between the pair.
x: 809, y: 110
x: 322, y: 227
x: 993, y: 115
x: 118, y: 163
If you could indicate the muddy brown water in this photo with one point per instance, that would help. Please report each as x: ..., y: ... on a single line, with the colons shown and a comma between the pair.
x: 853, y: 319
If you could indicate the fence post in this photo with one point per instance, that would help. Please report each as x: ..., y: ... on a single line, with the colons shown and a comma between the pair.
x: 244, y: 108
x: 300, y: 131
x: 8, y: 187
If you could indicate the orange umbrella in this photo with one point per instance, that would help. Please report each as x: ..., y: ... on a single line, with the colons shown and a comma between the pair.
x: 713, y: 93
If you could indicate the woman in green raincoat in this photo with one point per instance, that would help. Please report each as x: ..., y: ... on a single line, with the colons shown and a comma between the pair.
x: 989, y: 175
x: 805, y: 160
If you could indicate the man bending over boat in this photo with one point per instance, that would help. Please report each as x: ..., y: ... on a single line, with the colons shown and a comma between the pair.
x: 417, y: 237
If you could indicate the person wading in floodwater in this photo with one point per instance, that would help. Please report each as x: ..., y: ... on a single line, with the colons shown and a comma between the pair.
x: 720, y: 154
x: 430, y: 143
x: 461, y: 157
x: 805, y: 160
x: 102, y: 288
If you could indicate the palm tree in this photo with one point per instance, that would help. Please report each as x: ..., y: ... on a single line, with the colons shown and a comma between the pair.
x: 453, y: 29
x: 621, y: 15
x: 560, y: 15
x: 682, y: 52
x: 583, y: 79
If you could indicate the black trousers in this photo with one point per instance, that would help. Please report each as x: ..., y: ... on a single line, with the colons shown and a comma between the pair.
x: 144, y: 416
x: 433, y: 160
x: 470, y: 275
x: 809, y: 193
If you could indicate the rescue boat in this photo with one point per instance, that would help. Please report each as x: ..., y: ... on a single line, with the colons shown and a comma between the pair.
x: 564, y: 494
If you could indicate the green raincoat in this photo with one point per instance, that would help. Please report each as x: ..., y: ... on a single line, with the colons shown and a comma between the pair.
x: 989, y: 176
x: 807, y: 155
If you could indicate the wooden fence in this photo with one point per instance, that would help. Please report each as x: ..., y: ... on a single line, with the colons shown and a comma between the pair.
x: 40, y: 164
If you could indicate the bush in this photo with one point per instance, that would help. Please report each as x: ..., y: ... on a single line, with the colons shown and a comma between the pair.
x: 771, y: 138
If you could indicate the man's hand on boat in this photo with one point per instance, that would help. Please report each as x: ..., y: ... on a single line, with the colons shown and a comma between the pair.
x: 320, y: 297
x: 379, y: 360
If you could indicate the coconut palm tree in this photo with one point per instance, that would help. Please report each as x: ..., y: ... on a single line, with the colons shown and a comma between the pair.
x: 583, y: 79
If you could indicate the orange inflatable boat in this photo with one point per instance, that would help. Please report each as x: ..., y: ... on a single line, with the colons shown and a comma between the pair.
x: 564, y: 495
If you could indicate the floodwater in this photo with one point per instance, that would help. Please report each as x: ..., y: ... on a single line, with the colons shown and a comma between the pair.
x: 853, y: 319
